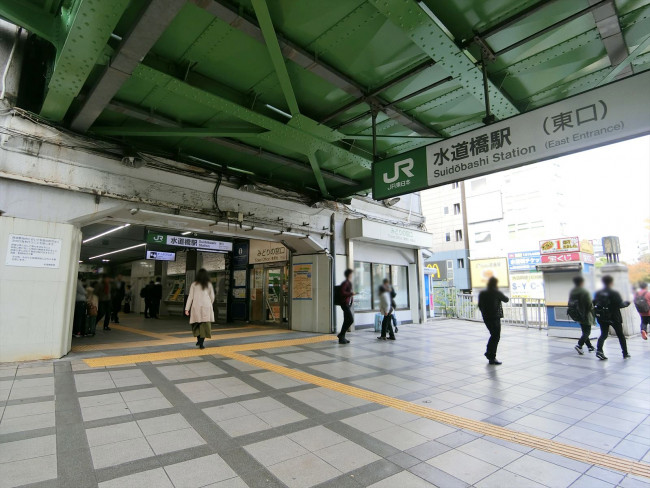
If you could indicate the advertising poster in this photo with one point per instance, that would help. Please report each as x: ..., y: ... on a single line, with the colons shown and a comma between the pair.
x: 527, y: 285
x: 524, y: 260
x: 302, y: 281
x: 563, y: 244
x: 481, y: 270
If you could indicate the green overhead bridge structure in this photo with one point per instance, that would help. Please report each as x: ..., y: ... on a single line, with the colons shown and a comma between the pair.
x: 308, y: 94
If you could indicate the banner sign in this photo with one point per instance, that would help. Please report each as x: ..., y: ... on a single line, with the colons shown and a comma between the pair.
x: 182, y: 241
x: 266, y: 252
x: 481, y: 270
x: 524, y: 260
x: 594, y: 118
x: 564, y: 244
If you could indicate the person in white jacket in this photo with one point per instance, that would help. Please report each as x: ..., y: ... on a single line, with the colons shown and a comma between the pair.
x: 199, y: 307
x: 386, y: 309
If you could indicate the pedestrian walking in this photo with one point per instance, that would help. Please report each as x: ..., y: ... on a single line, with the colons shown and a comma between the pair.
x: 156, y: 297
x: 346, y: 300
x: 607, y: 306
x: 199, y: 307
x: 92, y: 308
x: 391, y: 289
x: 489, y: 303
x: 147, y: 294
x: 581, y: 309
x: 128, y: 299
x: 642, y: 304
x: 103, y: 292
x: 386, y: 309
x: 118, y: 291
x: 79, y: 320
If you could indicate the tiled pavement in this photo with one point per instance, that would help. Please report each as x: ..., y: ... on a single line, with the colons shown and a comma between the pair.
x: 210, y: 421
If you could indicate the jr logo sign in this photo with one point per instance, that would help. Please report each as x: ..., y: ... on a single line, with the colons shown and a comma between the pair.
x: 401, y: 174
x: 406, y: 165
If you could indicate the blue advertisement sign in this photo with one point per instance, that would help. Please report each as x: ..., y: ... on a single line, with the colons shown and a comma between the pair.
x: 524, y: 260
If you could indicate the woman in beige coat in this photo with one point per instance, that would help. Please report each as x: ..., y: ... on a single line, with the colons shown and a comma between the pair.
x: 199, y: 307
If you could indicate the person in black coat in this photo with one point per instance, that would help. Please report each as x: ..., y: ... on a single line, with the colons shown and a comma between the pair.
x: 489, y: 303
x: 156, y: 297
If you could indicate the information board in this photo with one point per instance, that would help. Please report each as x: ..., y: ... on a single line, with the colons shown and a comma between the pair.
x: 302, y: 279
x: 33, y: 251
x: 601, y: 116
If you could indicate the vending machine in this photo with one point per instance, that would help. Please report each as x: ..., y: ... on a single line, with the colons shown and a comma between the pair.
x: 561, y: 260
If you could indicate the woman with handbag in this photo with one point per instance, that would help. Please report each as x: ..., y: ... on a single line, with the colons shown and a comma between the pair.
x: 199, y: 307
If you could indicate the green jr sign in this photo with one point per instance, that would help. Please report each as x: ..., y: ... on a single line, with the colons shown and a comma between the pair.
x: 401, y: 174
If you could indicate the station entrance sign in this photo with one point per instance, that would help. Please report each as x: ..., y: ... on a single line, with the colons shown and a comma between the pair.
x: 601, y: 116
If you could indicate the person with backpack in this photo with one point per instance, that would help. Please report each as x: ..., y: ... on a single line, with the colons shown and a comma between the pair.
x: 581, y: 310
x: 489, y: 303
x: 346, y: 299
x: 607, y: 306
x: 642, y: 304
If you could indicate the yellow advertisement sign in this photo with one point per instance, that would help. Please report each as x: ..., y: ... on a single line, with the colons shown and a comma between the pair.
x: 587, y: 246
x: 481, y: 270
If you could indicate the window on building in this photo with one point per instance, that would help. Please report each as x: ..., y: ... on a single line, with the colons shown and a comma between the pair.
x: 450, y: 269
x: 461, y: 263
x: 479, y: 184
x: 367, y: 279
x: 484, y: 236
x: 456, y: 208
x: 448, y: 237
x: 459, y: 235
x: 445, y: 210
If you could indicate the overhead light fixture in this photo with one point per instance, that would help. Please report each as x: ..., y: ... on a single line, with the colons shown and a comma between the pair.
x: 105, y: 233
x: 119, y: 250
x: 277, y: 110
x: 186, y: 233
x: 391, y: 201
x: 106, y: 260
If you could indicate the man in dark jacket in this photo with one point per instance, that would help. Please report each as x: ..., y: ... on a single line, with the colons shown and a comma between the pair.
x: 103, y: 292
x: 347, y: 296
x: 156, y: 298
x: 608, y: 304
x: 147, y: 294
x: 118, y: 291
x: 489, y: 303
x: 580, y: 296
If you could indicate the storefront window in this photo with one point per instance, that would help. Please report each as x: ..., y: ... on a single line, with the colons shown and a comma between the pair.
x: 362, y: 286
x: 399, y: 278
x: 368, y: 277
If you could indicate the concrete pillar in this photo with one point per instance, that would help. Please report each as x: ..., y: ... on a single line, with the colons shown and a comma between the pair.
x: 37, y: 290
x: 422, y: 310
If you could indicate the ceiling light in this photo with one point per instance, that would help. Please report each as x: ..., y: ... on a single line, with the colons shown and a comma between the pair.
x: 277, y: 110
x: 119, y: 250
x: 186, y: 233
x: 105, y: 233
x: 106, y: 260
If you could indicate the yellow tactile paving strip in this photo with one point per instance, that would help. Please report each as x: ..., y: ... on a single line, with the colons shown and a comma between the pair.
x: 189, y: 353
x: 572, y: 452
x: 170, y: 340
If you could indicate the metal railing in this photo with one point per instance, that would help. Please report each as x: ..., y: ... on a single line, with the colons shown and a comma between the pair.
x: 522, y: 312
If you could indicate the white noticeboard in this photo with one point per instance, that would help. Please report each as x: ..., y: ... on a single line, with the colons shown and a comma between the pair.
x: 33, y: 251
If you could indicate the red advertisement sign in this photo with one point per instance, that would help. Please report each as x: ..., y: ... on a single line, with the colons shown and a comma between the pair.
x: 564, y: 244
x: 567, y: 257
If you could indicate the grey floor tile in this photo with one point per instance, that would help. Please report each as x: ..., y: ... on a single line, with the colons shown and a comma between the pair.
x: 400, y: 437
x: 316, y: 438
x: 503, y: 479
x: 462, y: 466
x: 243, y: 425
x: 490, y: 452
x: 347, y: 456
x: 199, y: 472
x: 164, y: 423
x: 303, y: 471
x: 24, y: 424
x: 368, y: 423
x: 403, y: 479
x: 120, y: 452
x: 154, y: 478
x: 537, y: 469
x: 28, y: 448
x: 113, y: 433
x: 175, y: 440
x: 18, y: 473
x: 275, y: 450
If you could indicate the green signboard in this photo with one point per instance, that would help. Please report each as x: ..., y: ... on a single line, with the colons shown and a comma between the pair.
x: 601, y: 116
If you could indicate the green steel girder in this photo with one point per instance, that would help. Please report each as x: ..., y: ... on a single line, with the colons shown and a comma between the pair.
x: 148, y: 131
x: 315, y: 167
x: 271, y: 40
x: 435, y: 42
x: 639, y: 49
x: 84, y: 29
x: 35, y: 20
x: 568, y: 89
x: 286, y: 135
x: 527, y: 64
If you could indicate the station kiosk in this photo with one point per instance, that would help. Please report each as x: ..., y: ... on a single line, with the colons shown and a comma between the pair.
x: 561, y: 260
